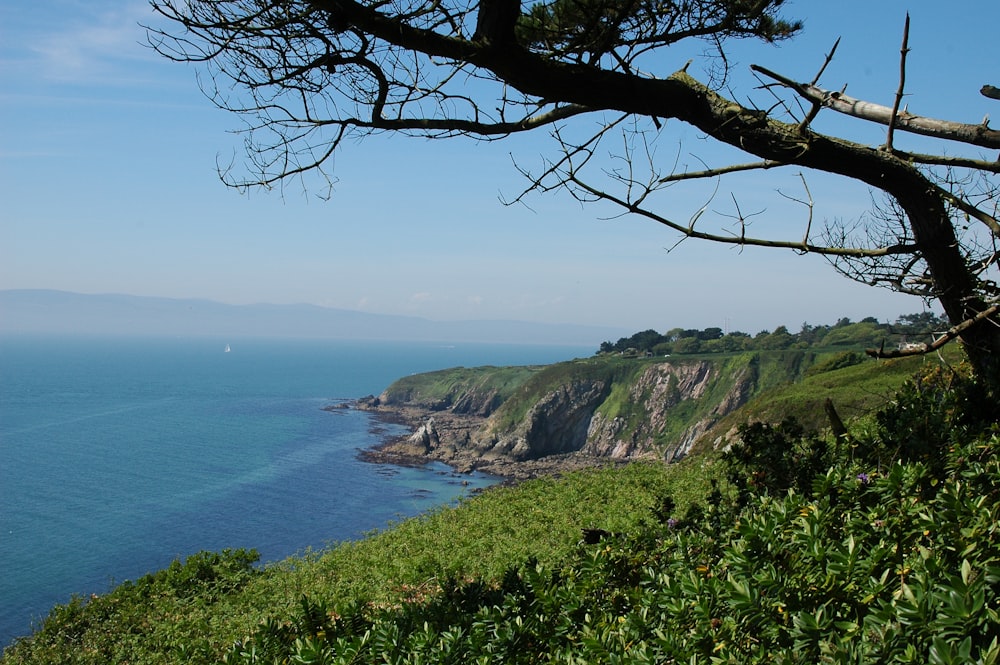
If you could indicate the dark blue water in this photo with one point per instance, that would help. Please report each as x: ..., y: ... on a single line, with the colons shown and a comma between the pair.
x: 119, y: 455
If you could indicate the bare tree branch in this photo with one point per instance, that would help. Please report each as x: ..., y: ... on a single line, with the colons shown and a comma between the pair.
x: 816, y: 106
x: 980, y: 135
x: 689, y: 231
x: 722, y: 170
x: 894, y: 114
x: 945, y: 160
x: 972, y: 211
x: 947, y: 336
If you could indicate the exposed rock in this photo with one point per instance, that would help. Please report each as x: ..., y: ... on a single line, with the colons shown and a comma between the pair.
x: 660, y: 388
x: 557, y: 424
x: 422, y: 442
x: 571, y: 425
x: 368, y: 402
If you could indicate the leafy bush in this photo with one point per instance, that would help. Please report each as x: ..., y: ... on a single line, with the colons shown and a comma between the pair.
x: 938, y: 408
x: 772, y: 459
x: 865, y: 571
x: 141, y: 621
x: 203, y: 574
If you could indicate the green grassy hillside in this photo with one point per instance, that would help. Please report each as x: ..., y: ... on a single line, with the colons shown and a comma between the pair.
x: 857, y: 391
x: 477, y: 390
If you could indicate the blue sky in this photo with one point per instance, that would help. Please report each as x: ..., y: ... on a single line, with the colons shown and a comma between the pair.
x: 108, y: 184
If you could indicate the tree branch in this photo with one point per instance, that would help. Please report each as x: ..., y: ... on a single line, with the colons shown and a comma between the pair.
x: 944, y: 160
x: 980, y: 135
x: 722, y: 170
x: 816, y: 106
x: 972, y: 211
x: 480, y: 128
x: 949, y: 335
x: 690, y: 232
x: 903, y: 51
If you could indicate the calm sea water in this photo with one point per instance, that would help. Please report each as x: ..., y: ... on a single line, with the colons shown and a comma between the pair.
x: 119, y: 455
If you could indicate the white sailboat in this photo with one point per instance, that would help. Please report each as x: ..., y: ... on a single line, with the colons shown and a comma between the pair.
x: 228, y: 349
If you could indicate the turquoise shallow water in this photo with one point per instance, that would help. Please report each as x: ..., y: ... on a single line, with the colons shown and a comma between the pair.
x: 119, y: 454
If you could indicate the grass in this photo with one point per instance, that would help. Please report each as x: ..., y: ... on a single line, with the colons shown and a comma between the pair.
x: 488, y: 387
x: 856, y: 391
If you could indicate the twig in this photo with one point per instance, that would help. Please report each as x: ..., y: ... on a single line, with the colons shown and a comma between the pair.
x: 903, y: 50
x: 688, y: 231
x: 809, y: 204
x: 827, y: 61
x: 711, y: 173
x: 816, y: 106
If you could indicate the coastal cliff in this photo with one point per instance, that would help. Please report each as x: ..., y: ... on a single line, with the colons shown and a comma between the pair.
x: 526, y: 421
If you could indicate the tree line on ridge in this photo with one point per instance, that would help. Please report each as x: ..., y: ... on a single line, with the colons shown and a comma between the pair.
x: 908, y: 328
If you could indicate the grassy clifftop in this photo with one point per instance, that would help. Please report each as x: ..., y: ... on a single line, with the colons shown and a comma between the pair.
x: 478, y: 390
x: 616, y: 407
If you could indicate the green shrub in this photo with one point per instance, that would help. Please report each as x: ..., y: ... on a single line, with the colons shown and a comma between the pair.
x: 938, y: 408
x: 203, y: 574
x: 772, y: 459
x: 155, y: 619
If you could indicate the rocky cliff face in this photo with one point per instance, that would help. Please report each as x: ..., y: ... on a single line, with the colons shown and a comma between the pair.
x: 644, y: 409
x: 557, y: 423
x: 664, y: 391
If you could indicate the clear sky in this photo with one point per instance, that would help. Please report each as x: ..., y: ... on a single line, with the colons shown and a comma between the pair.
x: 108, y: 184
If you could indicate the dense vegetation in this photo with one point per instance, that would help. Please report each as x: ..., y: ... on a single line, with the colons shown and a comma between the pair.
x: 879, y: 544
x: 913, y: 328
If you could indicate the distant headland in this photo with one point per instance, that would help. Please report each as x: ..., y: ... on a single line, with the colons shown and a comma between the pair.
x: 37, y: 311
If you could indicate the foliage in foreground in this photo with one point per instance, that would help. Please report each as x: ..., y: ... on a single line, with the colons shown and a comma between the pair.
x: 882, y: 545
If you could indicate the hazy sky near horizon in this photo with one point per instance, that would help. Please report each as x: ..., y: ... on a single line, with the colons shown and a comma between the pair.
x: 108, y: 184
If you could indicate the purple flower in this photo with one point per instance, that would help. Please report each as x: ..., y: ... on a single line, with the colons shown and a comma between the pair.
x: 863, y: 478
x: 671, y: 523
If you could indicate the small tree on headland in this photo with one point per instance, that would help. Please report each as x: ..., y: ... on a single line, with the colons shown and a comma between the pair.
x: 310, y: 74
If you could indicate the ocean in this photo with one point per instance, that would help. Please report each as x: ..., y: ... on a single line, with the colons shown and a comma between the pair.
x: 118, y: 455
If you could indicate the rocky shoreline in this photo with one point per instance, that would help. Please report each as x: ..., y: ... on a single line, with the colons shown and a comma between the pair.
x: 519, y: 423
x: 437, y: 436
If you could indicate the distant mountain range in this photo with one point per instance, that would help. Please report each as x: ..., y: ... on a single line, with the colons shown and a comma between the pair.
x: 61, y: 312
